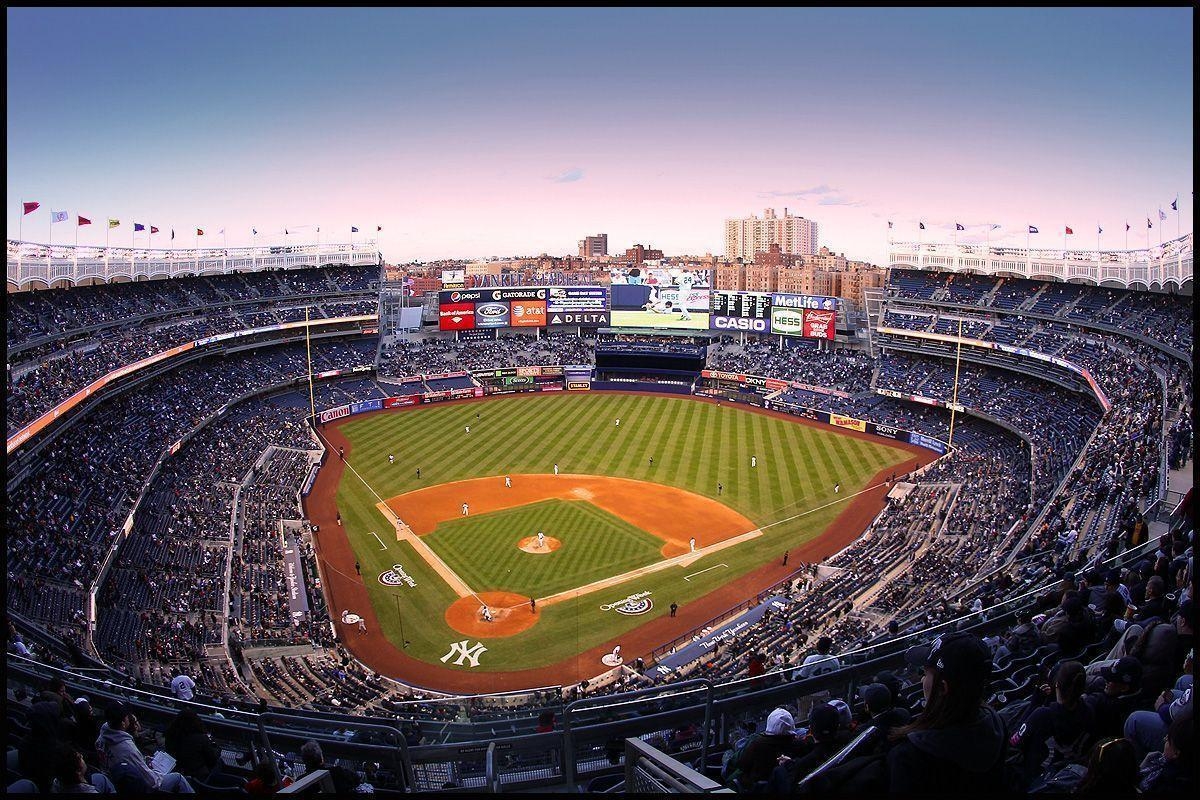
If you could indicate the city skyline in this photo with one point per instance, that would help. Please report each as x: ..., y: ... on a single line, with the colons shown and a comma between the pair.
x: 471, y: 133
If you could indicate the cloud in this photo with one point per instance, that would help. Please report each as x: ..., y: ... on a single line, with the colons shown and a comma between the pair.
x: 824, y: 194
x: 570, y: 176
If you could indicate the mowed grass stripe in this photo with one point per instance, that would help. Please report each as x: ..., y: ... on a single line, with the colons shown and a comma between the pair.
x: 483, y: 550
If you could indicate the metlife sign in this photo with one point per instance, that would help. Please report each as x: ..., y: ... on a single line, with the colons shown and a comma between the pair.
x: 815, y: 302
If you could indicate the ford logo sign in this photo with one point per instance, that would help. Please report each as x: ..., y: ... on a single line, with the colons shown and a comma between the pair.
x: 492, y: 310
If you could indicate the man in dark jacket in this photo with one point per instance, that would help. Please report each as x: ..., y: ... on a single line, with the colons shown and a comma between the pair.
x: 1118, y: 699
x: 344, y: 781
x: 957, y: 745
x: 761, y: 754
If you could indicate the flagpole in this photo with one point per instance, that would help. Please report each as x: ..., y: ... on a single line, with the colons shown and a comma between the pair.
x: 1126, y: 236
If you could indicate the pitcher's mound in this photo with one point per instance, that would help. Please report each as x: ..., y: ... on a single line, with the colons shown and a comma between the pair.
x: 530, y: 545
x: 510, y: 615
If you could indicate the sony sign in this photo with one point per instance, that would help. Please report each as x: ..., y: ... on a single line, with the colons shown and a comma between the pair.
x: 739, y: 324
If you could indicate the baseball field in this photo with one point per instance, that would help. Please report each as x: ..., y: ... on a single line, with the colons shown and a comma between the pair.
x: 686, y: 501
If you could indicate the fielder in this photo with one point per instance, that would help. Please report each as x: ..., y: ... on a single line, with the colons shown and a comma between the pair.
x: 507, y: 482
x: 465, y: 509
x: 556, y: 469
x: 391, y: 459
x: 837, y: 487
x: 754, y: 461
x: 468, y: 427
x: 541, y: 539
x: 692, y: 543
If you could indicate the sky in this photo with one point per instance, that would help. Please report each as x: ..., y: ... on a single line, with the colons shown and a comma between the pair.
x: 470, y: 133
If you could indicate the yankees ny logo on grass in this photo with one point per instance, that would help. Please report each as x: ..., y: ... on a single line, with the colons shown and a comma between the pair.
x: 460, y: 649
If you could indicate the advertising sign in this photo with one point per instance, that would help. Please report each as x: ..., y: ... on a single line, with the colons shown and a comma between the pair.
x: 787, y: 321
x: 586, y: 319
x: 928, y: 442
x: 578, y: 386
x: 333, y: 413
x: 577, y: 298
x: 453, y: 278
x: 477, y: 335
x: 751, y: 309
x: 402, y: 402
x: 456, y: 317
x: 850, y: 423
x: 492, y: 314
x: 819, y: 324
x: 365, y: 405
x: 886, y: 430
x: 815, y: 302
x: 527, y: 313
x: 738, y: 324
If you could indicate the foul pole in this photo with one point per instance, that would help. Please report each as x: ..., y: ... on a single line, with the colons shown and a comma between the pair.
x: 312, y: 403
x: 954, y: 400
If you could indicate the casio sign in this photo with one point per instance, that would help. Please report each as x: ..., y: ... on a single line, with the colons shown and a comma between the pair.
x: 492, y: 310
x: 740, y: 324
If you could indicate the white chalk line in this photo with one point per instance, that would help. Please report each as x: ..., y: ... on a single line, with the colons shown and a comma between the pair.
x: 701, y: 572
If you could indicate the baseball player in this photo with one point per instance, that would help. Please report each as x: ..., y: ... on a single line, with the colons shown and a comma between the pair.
x: 692, y: 543
x: 465, y: 509
x: 837, y: 487
x: 507, y: 482
x: 754, y: 461
x: 468, y: 427
x: 556, y: 469
x: 391, y: 459
x: 486, y: 613
x: 618, y: 422
x: 541, y: 539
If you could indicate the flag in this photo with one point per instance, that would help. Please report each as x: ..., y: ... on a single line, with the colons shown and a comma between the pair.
x: 1161, y: 215
x: 58, y: 216
x: 318, y: 229
x: 221, y: 232
x: 1032, y: 229
x: 172, y: 234
x: 889, y: 225
x: 285, y: 233
x: 153, y: 229
x: 355, y: 230
x: 1149, y: 224
x: 958, y: 227
x: 137, y: 226
x: 199, y: 232
x: 1127, y: 227
x: 1070, y: 232
x: 1099, y: 230
x: 114, y: 223
x: 254, y: 231
x: 995, y: 227
x: 378, y: 228
x: 1175, y: 204
x: 922, y: 224
x: 32, y: 207
x: 84, y: 221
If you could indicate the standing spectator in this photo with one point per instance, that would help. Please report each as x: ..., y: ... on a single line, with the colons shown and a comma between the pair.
x: 957, y: 744
x: 182, y: 686
x: 195, y: 754
x: 820, y: 662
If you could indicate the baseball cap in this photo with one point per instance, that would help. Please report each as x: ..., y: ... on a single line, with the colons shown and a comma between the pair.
x: 845, y: 715
x: 824, y: 720
x: 876, y: 696
x: 82, y: 700
x: 1127, y: 670
x: 780, y: 721
x: 115, y: 712
x: 962, y: 658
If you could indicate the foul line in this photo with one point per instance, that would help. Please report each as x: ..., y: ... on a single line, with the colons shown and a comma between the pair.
x: 382, y: 546
x: 405, y: 534
x: 701, y: 572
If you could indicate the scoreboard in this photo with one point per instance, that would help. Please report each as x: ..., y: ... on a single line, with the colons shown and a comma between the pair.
x: 740, y: 311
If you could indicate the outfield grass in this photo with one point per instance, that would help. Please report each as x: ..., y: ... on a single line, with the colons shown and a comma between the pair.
x: 483, y: 550
x: 695, y: 445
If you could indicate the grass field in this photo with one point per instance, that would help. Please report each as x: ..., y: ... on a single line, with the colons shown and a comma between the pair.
x: 595, y: 544
x: 695, y: 445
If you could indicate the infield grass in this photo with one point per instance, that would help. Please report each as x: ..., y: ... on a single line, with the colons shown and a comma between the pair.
x: 695, y: 445
x: 483, y: 550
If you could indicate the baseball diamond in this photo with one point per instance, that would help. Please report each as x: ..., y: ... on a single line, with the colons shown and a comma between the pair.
x: 623, y: 524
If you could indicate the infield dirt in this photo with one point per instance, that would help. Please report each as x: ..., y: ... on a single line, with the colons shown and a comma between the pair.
x: 344, y: 589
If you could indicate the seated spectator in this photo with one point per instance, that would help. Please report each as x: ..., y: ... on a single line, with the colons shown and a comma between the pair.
x: 820, y: 662
x: 545, y: 722
x: 1111, y: 771
x: 195, y: 754
x: 70, y: 774
x: 1071, y: 627
x: 760, y: 754
x: 1055, y: 733
x: 125, y: 764
x: 1155, y: 606
x: 825, y: 737
x: 1025, y: 638
x: 957, y: 744
x: 86, y: 728
x: 36, y: 751
x: 1171, y: 772
x: 266, y: 780
x: 1146, y: 729
x: 1112, y: 704
x: 344, y: 781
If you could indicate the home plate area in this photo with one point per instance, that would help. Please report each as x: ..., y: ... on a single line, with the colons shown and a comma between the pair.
x: 510, y: 614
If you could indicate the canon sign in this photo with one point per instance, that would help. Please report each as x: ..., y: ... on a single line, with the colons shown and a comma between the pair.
x: 739, y: 324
